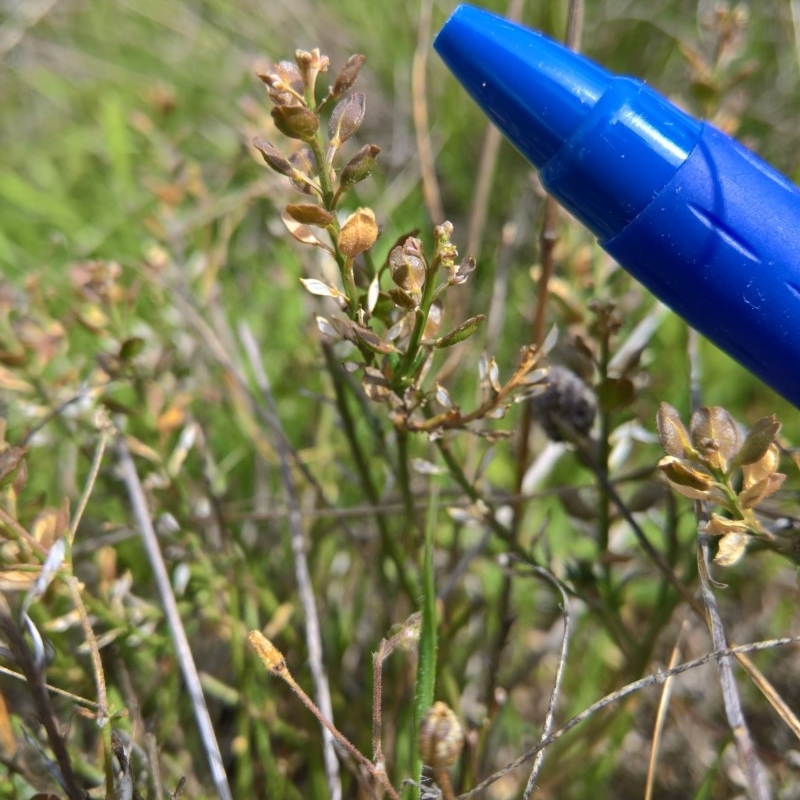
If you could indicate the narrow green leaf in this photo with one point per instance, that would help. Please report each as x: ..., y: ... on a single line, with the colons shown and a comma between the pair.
x: 426, y: 670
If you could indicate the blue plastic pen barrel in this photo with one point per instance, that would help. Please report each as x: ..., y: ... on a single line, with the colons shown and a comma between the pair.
x: 703, y: 223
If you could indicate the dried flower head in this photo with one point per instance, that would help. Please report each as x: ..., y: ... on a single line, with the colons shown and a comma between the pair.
x: 712, y: 462
x: 346, y: 118
x: 270, y: 656
x: 359, y: 167
x: 296, y: 122
x: 284, y: 84
x: 566, y: 404
x: 441, y: 737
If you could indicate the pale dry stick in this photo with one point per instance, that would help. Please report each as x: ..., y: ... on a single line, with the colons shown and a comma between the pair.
x: 7, y: 521
x: 562, y: 663
x: 656, y: 678
x: 181, y: 643
x: 794, y: 9
x: 103, y: 424
x: 756, y: 775
x: 273, y: 660
x: 661, y: 716
x: 419, y: 113
x: 101, y: 715
x: 14, y: 29
x: 75, y: 698
x: 302, y: 573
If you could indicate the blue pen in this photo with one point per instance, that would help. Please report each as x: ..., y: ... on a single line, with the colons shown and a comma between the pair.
x: 705, y: 225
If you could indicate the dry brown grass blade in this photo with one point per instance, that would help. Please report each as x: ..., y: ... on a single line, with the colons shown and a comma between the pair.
x: 770, y: 693
x: 661, y: 717
x: 419, y: 110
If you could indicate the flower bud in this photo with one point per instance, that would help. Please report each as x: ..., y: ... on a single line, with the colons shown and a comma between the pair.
x: 458, y: 273
x: 360, y: 166
x: 311, y: 64
x: 441, y: 737
x: 358, y: 233
x: 296, y: 122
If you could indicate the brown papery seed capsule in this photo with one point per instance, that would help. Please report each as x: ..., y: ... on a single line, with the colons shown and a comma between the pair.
x: 296, y: 122
x: 441, y: 737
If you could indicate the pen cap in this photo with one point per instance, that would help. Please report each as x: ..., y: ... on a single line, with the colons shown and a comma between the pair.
x: 604, y: 145
x: 708, y: 227
x: 719, y: 245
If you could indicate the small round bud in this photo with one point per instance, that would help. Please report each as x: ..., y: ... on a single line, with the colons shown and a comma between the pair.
x: 441, y: 737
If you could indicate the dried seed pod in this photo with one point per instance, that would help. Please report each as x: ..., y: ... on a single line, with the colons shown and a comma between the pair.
x: 407, y: 266
x: 296, y: 122
x: 310, y: 214
x: 672, y: 434
x: 715, y: 435
x: 358, y: 233
x: 347, y: 75
x: 346, y: 118
x: 304, y: 168
x: 441, y: 737
x: 360, y: 166
x: 274, y: 158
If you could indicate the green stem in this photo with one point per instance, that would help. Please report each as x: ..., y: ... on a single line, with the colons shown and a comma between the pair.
x: 604, y: 510
x: 389, y: 542
x: 404, y: 476
x: 349, y: 281
x: 426, y: 671
x: 404, y: 374
x: 326, y: 184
